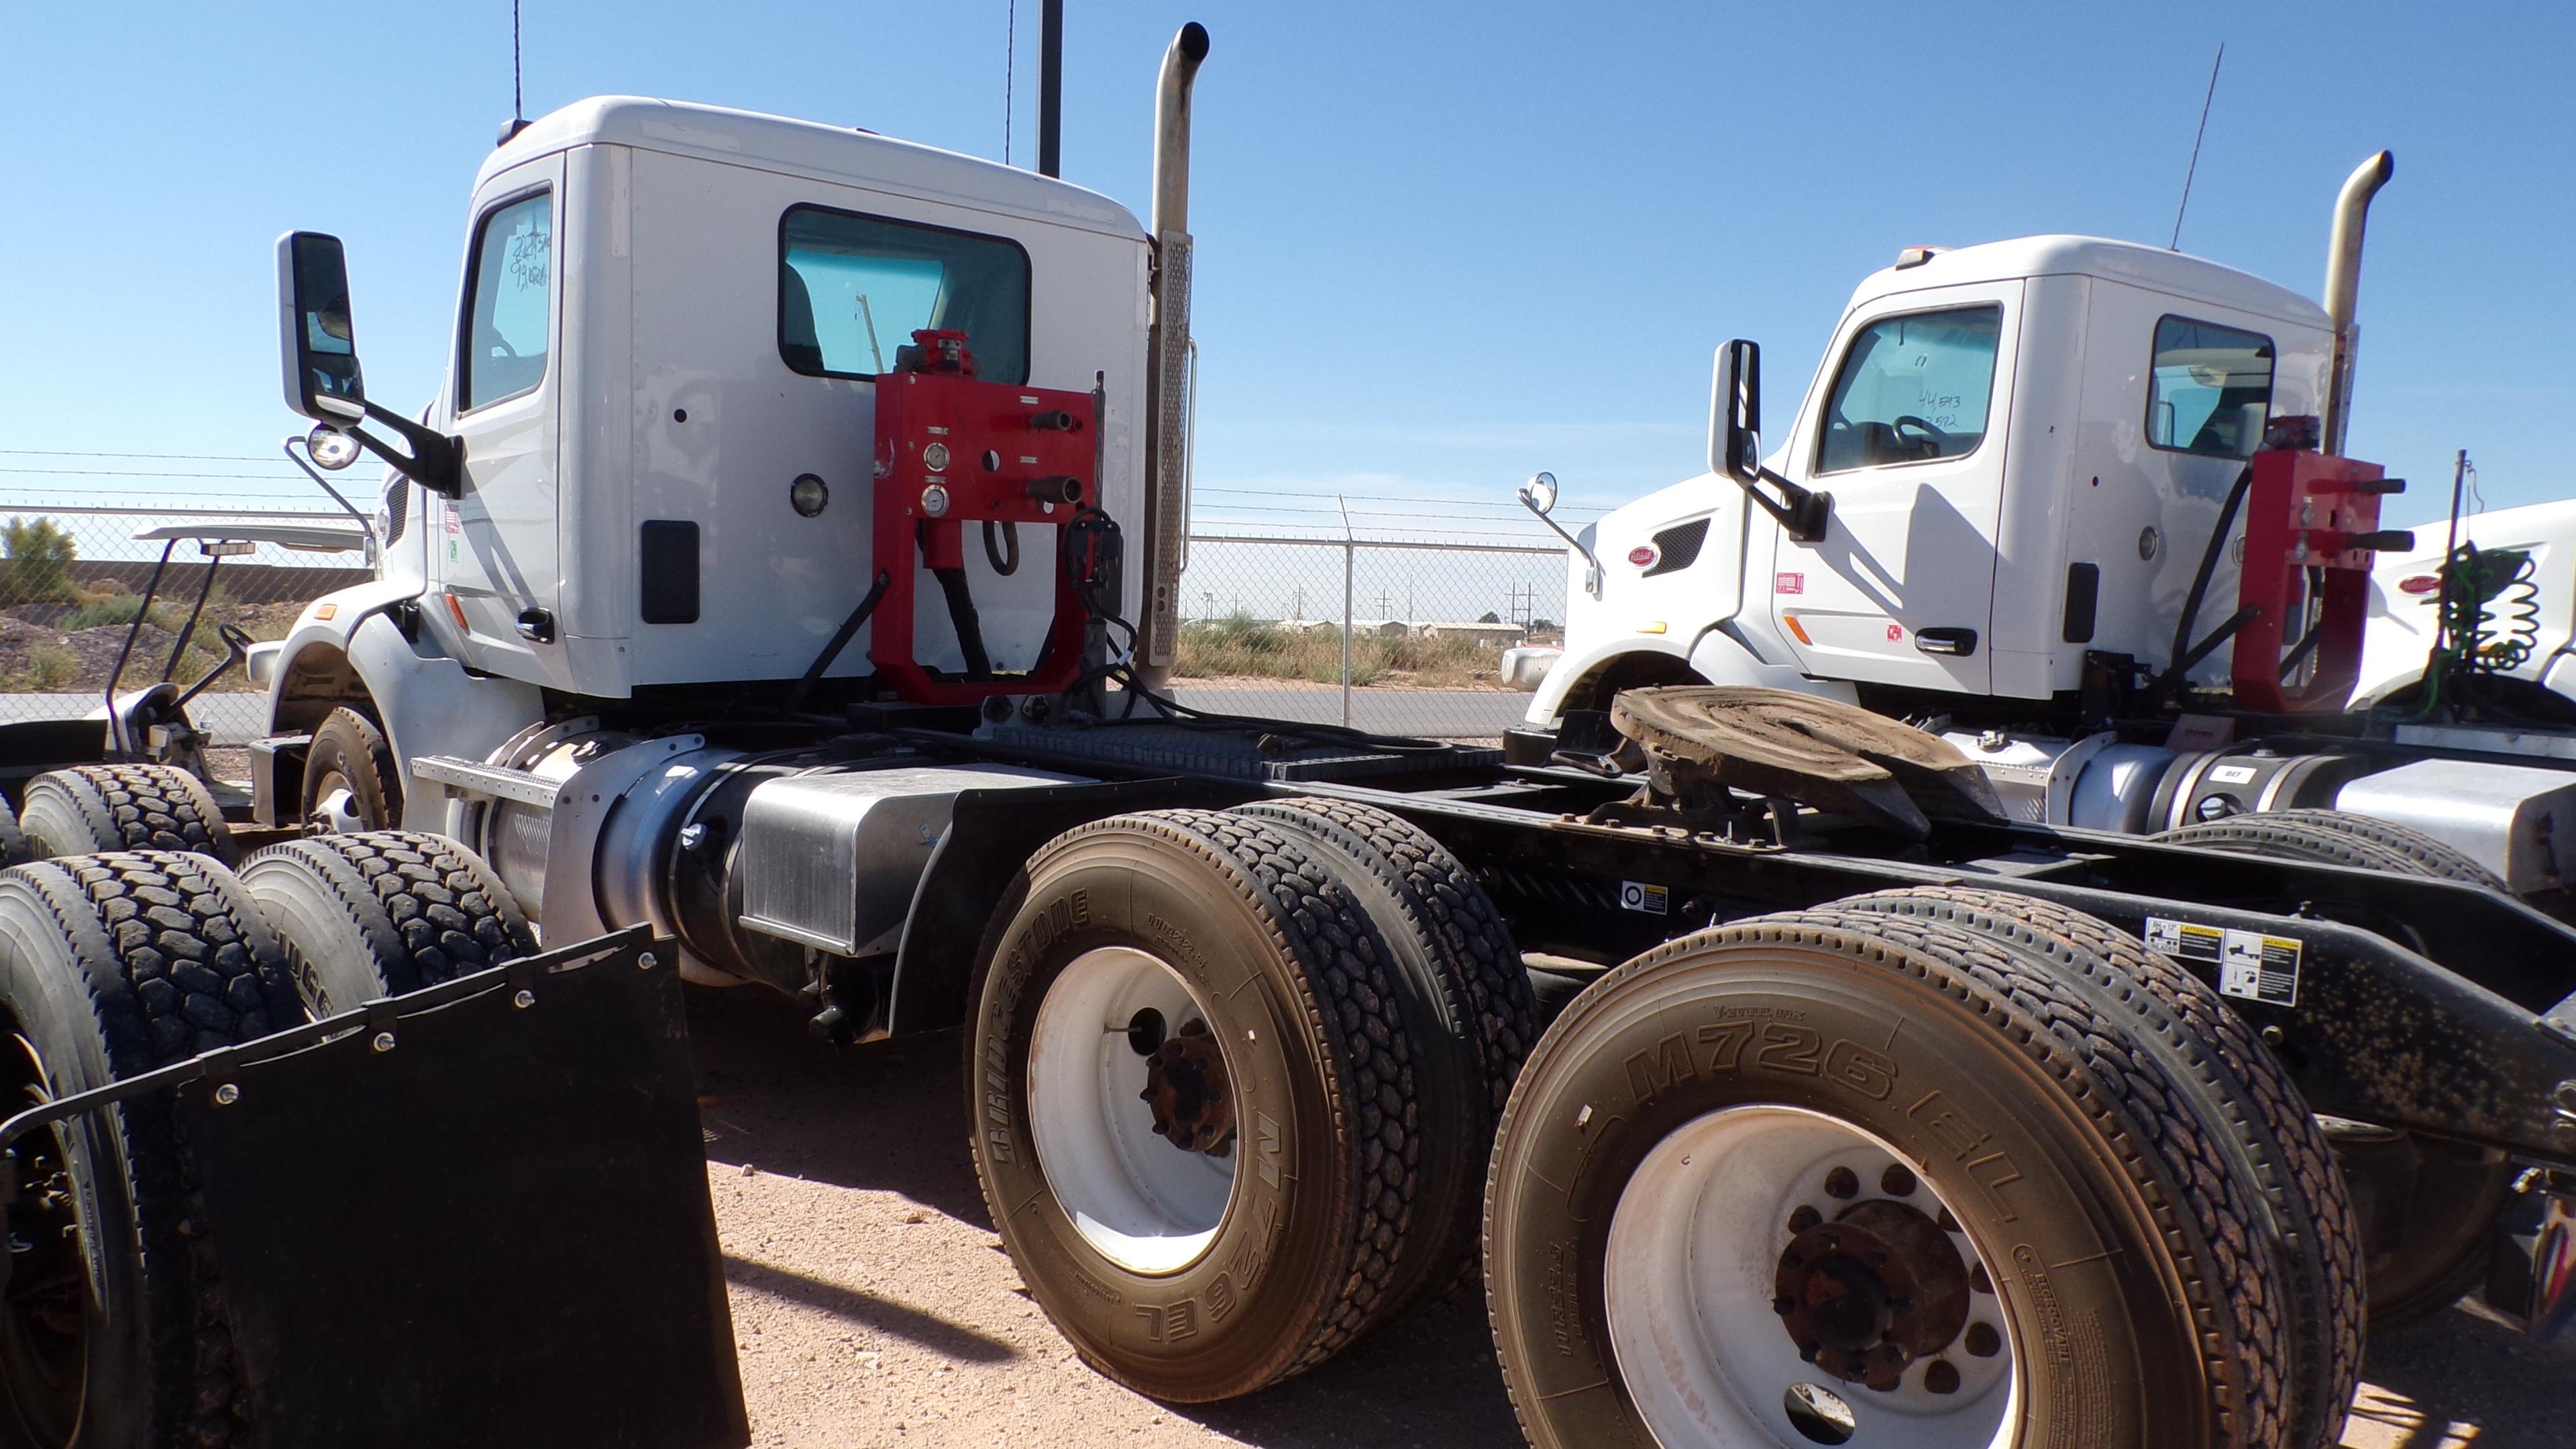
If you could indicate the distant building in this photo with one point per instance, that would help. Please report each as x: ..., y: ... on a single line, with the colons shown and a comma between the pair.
x: 1489, y: 636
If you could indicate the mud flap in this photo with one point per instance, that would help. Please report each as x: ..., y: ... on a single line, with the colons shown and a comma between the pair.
x: 2532, y: 1278
x: 475, y: 1215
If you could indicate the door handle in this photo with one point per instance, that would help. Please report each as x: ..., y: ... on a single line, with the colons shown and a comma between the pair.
x: 537, y: 626
x: 1959, y: 643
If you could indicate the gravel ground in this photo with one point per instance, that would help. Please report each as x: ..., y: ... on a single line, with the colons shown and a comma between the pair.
x: 874, y: 1306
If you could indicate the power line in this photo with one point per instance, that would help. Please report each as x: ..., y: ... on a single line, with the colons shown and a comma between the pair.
x: 190, y: 457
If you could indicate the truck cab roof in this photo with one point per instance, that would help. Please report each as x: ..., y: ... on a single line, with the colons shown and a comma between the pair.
x: 812, y: 149
x: 2154, y: 268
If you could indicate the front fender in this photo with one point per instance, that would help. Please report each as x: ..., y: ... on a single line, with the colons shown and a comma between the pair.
x: 1579, y: 667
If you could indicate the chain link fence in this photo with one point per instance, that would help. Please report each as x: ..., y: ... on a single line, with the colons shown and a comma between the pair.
x: 72, y: 581
x: 1390, y: 635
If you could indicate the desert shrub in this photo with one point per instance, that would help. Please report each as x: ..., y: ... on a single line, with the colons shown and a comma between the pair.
x: 50, y: 669
x: 36, y: 563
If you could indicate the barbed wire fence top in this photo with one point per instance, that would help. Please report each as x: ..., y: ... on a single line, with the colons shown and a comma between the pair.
x: 73, y: 571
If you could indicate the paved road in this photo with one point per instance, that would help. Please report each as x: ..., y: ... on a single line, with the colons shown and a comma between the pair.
x: 874, y: 1306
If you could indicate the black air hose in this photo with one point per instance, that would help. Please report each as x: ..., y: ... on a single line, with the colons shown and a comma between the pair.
x: 2182, y: 646
x: 970, y: 630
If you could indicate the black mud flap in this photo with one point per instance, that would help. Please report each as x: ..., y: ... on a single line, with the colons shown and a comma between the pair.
x: 476, y: 1215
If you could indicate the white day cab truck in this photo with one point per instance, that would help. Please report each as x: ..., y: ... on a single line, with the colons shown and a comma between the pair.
x: 2074, y: 504
x: 778, y: 595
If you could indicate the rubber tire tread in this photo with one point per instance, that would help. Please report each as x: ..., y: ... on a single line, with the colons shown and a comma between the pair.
x: 2122, y: 1090
x: 1488, y: 993
x: 13, y: 841
x: 2338, y: 838
x: 2280, y: 838
x: 2240, y: 1088
x: 91, y: 808
x: 422, y: 909
x: 1343, y: 987
x: 352, y: 742
x: 174, y: 961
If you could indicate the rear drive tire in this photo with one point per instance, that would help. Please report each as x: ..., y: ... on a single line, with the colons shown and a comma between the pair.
x: 2335, y: 837
x: 350, y: 781
x: 2236, y: 1087
x: 383, y: 913
x: 1702, y: 1129
x: 1464, y: 998
x: 1223, y: 967
x: 13, y: 841
x: 113, y: 965
x: 2438, y: 1253
x: 91, y: 808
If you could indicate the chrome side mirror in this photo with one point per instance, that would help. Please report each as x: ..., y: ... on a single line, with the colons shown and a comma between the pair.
x: 330, y: 448
x: 1538, y: 495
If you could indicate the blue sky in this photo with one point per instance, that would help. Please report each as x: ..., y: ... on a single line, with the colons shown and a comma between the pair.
x: 1441, y: 245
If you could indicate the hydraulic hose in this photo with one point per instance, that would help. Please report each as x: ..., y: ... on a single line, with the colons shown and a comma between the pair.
x: 2182, y: 655
x: 970, y: 629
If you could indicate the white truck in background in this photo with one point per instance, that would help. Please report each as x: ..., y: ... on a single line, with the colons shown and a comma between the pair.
x: 2014, y: 506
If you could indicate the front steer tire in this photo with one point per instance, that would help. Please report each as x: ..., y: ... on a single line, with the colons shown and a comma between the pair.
x: 90, y: 808
x: 383, y: 913
x: 1665, y: 1114
x: 110, y: 966
x: 1195, y: 1275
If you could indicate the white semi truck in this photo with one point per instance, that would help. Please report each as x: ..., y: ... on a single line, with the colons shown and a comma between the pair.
x: 756, y: 600
x: 2023, y: 503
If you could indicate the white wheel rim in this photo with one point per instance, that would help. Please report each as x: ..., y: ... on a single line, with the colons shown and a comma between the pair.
x: 1142, y: 1203
x: 1690, y: 1278
x: 337, y: 807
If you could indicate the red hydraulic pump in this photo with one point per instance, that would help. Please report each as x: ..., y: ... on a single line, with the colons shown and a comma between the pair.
x: 2311, y: 526
x: 954, y: 450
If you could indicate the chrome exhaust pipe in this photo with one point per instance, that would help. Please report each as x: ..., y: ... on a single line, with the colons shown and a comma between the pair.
x: 1167, y: 363
x: 2343, y: 287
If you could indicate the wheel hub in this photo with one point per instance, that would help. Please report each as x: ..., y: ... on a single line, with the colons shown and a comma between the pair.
x: 1866, y: 1294
x: 1185, y: 1084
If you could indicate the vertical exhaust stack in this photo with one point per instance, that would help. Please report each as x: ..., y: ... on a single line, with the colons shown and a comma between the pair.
x: 2343, y: 287
x: 1167, y: 362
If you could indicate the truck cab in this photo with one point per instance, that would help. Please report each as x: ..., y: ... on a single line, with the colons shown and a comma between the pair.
x: 661, y: 391
x: 2025, y: 445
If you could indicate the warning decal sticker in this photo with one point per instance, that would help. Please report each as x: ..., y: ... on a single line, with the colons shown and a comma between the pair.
x: 2250, y: 965
x: 1654, y: 900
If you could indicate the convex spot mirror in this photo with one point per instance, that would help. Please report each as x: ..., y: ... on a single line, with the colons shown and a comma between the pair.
x: 1539, y: 494
x: 317, y: 343
x: 1735, y: 413
x: 330, y: 448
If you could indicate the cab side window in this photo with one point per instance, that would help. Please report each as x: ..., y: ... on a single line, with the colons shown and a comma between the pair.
x: 511, y: 288
x: 2210, y: 390
x: 1912, y: 389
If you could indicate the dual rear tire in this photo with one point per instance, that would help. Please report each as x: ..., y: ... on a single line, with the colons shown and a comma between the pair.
x: 1233, y: 1076
x: 1914, y: 1170
x: 113, y: 1331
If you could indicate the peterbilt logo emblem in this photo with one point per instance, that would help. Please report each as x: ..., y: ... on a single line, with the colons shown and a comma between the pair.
x: 1643, y: 555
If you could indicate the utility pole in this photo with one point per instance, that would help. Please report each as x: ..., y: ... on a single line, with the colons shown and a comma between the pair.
x: 1051, y: 88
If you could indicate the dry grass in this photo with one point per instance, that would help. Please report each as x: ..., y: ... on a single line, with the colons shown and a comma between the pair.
x: 1244, y: 647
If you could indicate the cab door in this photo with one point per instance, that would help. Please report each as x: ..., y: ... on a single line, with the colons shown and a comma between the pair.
x: 494, y: 547
x: 1907, y: 433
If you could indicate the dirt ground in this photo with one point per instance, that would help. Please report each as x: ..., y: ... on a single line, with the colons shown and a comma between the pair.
x: 874, y: 1307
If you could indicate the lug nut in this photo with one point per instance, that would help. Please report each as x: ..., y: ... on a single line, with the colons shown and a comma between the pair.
x: 1897, y: 1181
x: 1842, y: 1183
x: 1983, y: 1341
x: 1803, y: 1218
x: 1942, y: 1377
x: 1979, y: 1281
x: 1784, y: 1305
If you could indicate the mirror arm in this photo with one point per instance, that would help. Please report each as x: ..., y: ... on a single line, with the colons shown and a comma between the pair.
x: 1592, y: 563
x: 435, y: 460
x: 1802, y: 511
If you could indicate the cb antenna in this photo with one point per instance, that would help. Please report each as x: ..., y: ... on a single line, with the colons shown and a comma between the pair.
x: 2212, y: 94
x: 518, y: 101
